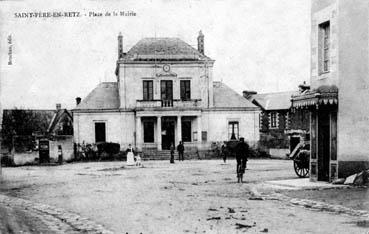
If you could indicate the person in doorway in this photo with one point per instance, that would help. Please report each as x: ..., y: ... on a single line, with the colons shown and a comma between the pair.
x: 172, y: 148
x: 130, y: 156
x: 180, y: 149
x: 242, y: 151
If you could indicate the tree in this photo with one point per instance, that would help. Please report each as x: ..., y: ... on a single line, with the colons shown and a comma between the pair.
x: 20, y: 126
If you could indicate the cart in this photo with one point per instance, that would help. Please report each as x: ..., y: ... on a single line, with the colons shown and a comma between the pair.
x: 301, y: 159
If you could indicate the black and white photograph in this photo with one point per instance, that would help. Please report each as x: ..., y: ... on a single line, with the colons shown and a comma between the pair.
x: 184, y: 116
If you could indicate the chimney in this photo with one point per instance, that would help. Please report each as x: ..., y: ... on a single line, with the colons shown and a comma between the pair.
x: 303, y: 87
x: 120, y: 46
x: 78, y: 100
x: 200, y: 43
x: 58, y: 106
x: 248, y: 94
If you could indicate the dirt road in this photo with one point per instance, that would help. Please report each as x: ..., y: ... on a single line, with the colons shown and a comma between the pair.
x: 15, y: 220
x: 187, y: 197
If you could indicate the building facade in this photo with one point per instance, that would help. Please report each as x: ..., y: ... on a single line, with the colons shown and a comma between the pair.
x: 281, y: 127
x: 22, y: 130
x: 339, y: 88
x: 164, y: 94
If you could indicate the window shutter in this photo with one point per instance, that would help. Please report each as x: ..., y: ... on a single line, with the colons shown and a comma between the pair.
x: 151, y: 96
x: 182, y: 90
x: 144, y: 90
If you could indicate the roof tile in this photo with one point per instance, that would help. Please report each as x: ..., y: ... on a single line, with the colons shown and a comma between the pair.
x: 163, y: 48
x: 224, y: 96
x: 104, y: 96
x: 275, y: 101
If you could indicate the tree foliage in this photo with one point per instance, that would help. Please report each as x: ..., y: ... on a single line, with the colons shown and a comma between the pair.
x: 20, y: 126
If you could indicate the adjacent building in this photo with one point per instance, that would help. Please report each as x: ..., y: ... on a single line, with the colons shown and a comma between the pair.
x: 22, y: 130
x: 339, y: 88
x: 281, y: 127
x: 164, y: 93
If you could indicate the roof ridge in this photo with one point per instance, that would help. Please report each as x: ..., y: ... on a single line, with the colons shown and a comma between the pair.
x: 161, y: 38
x: 108, y: 82
x: 278, y: 92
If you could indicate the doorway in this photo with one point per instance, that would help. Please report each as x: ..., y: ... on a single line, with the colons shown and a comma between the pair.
x: 167, y: 133
x: 323, y: 145
x: 166, y: 91
x: 100, y: 132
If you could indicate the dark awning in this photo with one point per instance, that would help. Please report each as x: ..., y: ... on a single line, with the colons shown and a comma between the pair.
x: 323, y: 95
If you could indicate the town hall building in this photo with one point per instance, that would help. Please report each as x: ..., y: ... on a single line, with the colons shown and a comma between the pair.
x: 164, y: 94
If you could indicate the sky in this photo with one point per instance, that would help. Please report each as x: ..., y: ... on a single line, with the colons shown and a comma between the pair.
x: 260, y: 45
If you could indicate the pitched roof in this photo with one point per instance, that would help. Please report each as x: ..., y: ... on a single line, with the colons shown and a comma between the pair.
x: 224, y: 96
x: 104, y: 96
x: 57, y: 117
x: 37, y: 120
x: 163, y: 48
x: 274, y: 101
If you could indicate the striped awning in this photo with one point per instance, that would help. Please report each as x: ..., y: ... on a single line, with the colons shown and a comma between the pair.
x: 325, y: 95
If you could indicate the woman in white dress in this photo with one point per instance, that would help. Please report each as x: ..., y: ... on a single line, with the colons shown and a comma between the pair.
x: 130, y: 156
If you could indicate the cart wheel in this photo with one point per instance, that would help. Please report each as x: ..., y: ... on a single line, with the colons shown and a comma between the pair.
x: 300, y: 172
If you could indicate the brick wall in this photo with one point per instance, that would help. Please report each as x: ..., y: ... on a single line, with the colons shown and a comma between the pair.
x: 287, y: 119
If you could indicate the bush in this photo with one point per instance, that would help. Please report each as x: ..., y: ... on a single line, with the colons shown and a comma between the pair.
x: 108, y: 149
x: 7, y: 161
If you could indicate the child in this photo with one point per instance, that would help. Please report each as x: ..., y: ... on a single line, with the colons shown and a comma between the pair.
x: 138, y: 160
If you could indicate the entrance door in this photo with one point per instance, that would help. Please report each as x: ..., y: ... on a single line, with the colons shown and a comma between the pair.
x: 166, y: 90
x: 44, y: 151
x: 323, y: 145
x: 167, y: 137
x: 100, y: 132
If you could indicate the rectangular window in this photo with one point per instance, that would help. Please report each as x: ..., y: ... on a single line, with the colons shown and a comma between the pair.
x: 261, y: 120
x: 100, y: 132
x: 233, y: 130
x: 195, y: 136
x: 186, y: 131
x: 273, y: 119
x: 148, y: 127
x: 324, y: 39
x: 204, y: 136
x: 287, y: 119
x: 185, y: 86
x: 166, y: 88
x: 148, y: 90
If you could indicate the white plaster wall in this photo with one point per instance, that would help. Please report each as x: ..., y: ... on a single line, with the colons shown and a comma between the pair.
x: 353, y: 109
x: 67, y: 149
x: 323, y: 11
x: 120, y: 127
x: 132, y: 75
x: 216, y: 124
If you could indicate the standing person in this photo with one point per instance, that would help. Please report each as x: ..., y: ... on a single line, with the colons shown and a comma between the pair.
x: 180, y: 149
x: 172, y: 148
x: 130, y: 156
x: 224, y: 152
x: 242, y: 151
